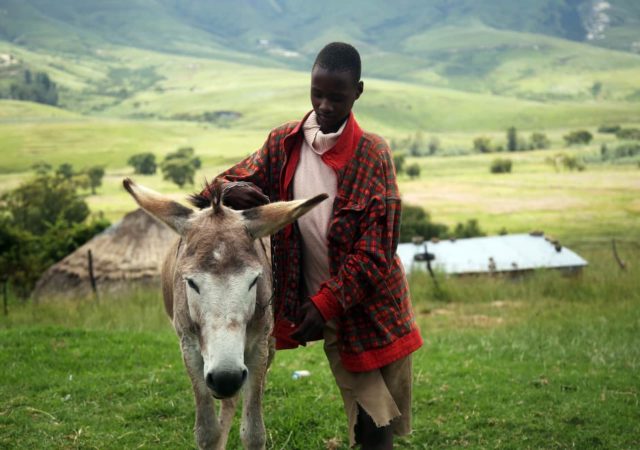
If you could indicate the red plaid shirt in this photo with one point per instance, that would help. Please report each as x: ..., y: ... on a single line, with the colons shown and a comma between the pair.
x: 367, y: 293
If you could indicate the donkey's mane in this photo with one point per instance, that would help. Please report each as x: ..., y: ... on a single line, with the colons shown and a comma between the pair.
x: 210, y: 195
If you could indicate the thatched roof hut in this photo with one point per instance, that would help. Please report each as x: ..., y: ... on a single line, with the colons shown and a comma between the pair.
x: 124, y: 255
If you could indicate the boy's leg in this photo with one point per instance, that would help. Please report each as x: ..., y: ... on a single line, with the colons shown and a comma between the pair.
x: 367, y: 399
x: 371, y: 437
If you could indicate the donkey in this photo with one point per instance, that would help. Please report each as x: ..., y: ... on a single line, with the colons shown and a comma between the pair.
x: 216, y: 283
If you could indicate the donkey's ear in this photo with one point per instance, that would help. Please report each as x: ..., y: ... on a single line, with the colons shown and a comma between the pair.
x: 166, y: 210
x: 266, y: 220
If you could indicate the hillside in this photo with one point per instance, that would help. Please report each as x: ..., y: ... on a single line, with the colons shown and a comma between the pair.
x: 529, y: 49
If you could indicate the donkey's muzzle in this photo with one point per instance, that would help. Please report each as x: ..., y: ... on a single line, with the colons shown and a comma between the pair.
x: 226, y: 383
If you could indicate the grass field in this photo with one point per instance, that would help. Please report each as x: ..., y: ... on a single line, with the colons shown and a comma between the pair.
x: 539, y: 362
x: 542, y: 361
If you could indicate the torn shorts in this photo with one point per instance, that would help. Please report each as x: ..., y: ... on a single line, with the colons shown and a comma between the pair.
x: 384, y: 393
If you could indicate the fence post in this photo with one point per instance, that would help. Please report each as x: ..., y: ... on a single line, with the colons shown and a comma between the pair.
x: 92, y: 277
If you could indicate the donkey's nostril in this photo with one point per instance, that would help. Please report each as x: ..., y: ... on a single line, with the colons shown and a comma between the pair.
x: 225, y: 383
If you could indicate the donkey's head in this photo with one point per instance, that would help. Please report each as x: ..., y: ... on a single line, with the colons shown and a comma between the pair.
x: 217, y: 275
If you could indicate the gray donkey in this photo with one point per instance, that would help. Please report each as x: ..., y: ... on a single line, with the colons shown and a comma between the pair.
x: 216, y: 282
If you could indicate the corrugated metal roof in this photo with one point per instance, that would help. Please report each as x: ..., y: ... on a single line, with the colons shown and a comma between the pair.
x: 507, y: 253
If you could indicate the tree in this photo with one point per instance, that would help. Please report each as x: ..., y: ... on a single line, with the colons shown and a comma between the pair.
x: 38, y: 88
x: 578, y: 137
x: 41, y: 221
x: 41, y: 168
x: 434, y: 145
x: 65, y: 170
x: 143, y: 163
x: 398, y: 162
x: 512, y: 139
x: 417, y: 144
x: 417, y: 222
x: 596, y: 89
x: 95, y: 175
x: 539, y: 140
x: 469, y: 229
x: 180, y: 166
x: 413, y: 170
x: 482, y: 144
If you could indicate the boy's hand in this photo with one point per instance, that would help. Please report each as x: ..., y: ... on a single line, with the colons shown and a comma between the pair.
x: 311, y: 324
x: 243, y: 195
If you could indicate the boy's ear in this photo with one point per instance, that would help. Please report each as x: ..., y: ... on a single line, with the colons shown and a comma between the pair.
x: 360, y: 88
x: 166, y: 210
x: 266, y: 220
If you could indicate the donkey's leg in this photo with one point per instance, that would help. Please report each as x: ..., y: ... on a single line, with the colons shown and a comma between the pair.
x: 227, y: 411
x: 207, y: 428
x: 252, y: 431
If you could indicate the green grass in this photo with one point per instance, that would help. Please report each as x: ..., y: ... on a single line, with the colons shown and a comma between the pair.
x: 543, y: 361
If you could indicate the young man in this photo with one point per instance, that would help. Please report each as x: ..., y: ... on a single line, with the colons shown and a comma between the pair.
x: 336, y: 273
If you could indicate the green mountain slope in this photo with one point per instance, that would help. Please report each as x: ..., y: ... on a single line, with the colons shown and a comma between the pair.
x: 529, y: 49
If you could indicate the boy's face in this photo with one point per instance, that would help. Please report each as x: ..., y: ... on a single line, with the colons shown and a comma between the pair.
x: 332, y: 96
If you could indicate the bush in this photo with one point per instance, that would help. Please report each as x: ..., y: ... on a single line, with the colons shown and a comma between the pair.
x: 41, y: 221
x: 629, y: 134
x: 413, y: 170
x: 569, y: 162
x: 611, y: 129
x: 417, y: 222
x: 539, y: 141
x: 578, y: 137
x: 482, y: 144
x: 500, y: 165
x: 434, y: 145
x: 143, y: 163
x: 398, y: 162
x: 469, y: 229
x: 626, y: 151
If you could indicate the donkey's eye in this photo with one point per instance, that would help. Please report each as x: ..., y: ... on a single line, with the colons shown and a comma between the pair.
x: 253, y: 283
x: 192, y: 285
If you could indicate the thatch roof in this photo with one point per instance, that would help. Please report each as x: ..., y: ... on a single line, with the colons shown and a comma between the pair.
x: 124, y: 255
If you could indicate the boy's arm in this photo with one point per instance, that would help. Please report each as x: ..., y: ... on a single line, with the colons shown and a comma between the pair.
x: 368, y: 265
x: 245, y: 184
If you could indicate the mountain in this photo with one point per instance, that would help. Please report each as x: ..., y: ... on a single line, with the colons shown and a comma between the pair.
x: 114, y: 56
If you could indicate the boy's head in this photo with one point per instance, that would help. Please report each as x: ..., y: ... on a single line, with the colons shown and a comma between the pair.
x: 335, y: 84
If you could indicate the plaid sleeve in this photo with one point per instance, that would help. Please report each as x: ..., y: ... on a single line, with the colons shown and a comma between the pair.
x: 368, y: 266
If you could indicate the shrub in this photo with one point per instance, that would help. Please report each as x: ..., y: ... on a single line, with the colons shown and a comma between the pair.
x: 500, y: 165
x: 417, y: 222
x: 539, y: 141
x: 434, y: 145
x: 413, y: 170
x: 629, y: 134
x: 578, y: 137
x: 612, y: 129
x: 41, y: 221
x: 626, y: 151
x: 482, y: 144
x: 398, y: 162
x: 569, y: 162
x: 471, y: 228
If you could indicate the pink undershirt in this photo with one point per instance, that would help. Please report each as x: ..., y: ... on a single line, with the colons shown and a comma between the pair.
x: 313, y: 177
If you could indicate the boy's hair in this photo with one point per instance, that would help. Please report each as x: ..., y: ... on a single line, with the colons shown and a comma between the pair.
x: 340, y: 57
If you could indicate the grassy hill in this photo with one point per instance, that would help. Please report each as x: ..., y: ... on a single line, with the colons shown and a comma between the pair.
x: 516, y: 48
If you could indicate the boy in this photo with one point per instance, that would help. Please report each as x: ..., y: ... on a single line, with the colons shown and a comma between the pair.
x: 336, y: 274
